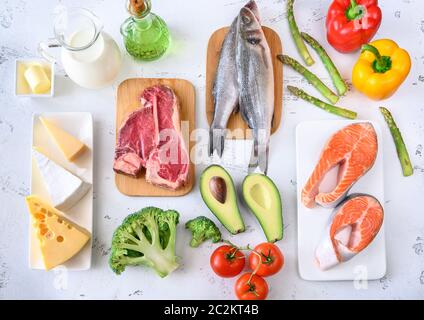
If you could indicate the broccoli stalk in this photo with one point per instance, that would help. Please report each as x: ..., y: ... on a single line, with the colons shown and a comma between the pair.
x: 202, y: 229
x: 146, y: 238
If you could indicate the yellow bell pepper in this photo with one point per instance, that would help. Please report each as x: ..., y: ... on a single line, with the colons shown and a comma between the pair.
x: 381, y: 69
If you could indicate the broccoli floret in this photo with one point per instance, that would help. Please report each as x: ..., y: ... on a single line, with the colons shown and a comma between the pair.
x: 146, y: 238
x: 203, y: 229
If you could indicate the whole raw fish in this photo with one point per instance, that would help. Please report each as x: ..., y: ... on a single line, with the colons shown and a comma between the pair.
x: 225, y: 90
x: 255, y: 78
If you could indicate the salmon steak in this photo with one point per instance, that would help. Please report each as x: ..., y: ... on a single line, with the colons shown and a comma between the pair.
x: 352, y: 227
x: 354, y: 150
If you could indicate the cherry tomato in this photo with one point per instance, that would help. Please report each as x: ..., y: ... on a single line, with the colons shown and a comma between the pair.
x: 227, y: 261
x: 272, y: 259
x: 250, y: 287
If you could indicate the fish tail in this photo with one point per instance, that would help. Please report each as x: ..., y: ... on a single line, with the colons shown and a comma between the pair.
x: 253, y: 164
x: 263, y: 154
x: 216, y: 141
x: 259, y: 158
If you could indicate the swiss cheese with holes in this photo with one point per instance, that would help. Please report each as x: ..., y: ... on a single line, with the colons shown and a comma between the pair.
x: 59, y: 238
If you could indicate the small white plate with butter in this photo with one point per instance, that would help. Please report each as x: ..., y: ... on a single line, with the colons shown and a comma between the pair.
x: 80, y: 126
x: 34, y: 78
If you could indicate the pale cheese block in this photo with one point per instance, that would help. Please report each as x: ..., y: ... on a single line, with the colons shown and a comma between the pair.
x: 70, y: 146
x: 59, y: 238
x: 65, y: 189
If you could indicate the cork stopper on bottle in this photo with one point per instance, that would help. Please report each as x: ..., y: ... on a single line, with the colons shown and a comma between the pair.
x: 137, y: 6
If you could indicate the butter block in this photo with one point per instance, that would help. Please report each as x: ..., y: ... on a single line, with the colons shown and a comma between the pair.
x: 37, y: 79
x: 22, y: 87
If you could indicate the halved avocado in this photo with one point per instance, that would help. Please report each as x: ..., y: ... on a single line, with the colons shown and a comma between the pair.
x: 263, y: 199
x: 219, y: 194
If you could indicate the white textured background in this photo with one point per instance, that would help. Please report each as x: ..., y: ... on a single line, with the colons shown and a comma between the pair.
x: 24, y: 23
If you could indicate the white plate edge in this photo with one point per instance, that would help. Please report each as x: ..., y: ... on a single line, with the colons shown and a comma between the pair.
x: 298, y: 193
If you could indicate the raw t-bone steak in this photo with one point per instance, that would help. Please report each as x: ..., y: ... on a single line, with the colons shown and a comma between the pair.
x: 151, y: 138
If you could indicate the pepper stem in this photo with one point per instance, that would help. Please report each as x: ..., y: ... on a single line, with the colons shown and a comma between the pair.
x: 355, y: 11
x: 381, y: 63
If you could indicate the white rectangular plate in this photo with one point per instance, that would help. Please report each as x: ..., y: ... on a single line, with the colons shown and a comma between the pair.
x: 370, y: 264
x: 80, y: 125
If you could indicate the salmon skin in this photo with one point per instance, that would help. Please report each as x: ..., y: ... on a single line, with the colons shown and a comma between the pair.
x: 352, y: 227
x: 354, y: 149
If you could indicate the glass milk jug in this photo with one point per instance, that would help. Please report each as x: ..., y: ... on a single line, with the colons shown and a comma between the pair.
x: 89, y: 56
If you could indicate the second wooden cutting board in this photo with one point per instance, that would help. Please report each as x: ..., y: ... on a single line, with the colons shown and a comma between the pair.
x: 129, y: 93
x: 236, y: 122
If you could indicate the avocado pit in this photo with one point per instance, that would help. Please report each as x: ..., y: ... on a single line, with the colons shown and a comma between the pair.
x: 218, y: 189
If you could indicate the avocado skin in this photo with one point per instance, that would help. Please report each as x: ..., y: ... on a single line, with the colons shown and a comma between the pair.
x: 228, y: 213
x: 272, y: 224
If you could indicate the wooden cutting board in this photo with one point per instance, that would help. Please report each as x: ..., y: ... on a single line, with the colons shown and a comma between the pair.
x: 128, y: 100
x: 214, y: 50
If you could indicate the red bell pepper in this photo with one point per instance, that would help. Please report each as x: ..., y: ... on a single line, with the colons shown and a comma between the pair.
x: 352, y: 23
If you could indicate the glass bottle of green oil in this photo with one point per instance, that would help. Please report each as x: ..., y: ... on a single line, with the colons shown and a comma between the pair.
x: 146, y: 35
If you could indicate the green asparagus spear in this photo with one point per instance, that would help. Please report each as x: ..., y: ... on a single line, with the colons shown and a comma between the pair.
x: 402, y: 152
x: 312, y: 79
x: 301, y: 47
x: 338, y: 81
x: 321, y: 104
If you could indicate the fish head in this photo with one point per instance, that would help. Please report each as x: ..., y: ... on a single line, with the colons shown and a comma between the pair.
x: 249, y: 28
x: 254, y: 8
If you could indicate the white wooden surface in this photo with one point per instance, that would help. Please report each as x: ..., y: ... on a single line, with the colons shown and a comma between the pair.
x: 24, y: 23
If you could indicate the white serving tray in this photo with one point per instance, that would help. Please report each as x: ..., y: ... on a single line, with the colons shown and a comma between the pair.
x: 79, y: 124
x: 370, y: 264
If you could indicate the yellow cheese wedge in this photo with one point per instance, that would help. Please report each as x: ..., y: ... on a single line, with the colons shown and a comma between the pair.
x: 59, y: 238
x: 37, y: 79
x: 70, y: 146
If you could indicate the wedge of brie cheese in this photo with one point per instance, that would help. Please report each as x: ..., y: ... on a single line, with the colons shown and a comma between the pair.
x: 65, y: 189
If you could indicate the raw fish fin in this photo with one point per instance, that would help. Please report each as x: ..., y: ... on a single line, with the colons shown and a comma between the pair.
x: 245, y: 118
x: 216, y: 141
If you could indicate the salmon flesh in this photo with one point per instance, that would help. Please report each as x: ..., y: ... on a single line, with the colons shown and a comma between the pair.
x: 354, y: 149
x: 352, y: 227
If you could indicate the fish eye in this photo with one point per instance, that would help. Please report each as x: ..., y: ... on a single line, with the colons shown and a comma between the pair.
x: 254, y: 41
